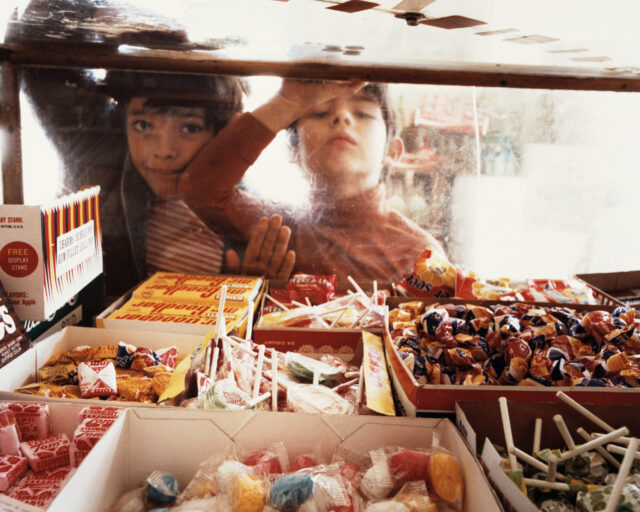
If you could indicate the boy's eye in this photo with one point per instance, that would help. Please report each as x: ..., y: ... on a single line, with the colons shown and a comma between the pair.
x: 319, y: 114
x: 365, y: 115
x: 141, y: 125
x: 192, y: 128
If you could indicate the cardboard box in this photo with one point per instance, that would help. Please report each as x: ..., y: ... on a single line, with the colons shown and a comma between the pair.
x: 620, y: 286
x: 481, y: 425
x: 24, y: 369
x: 64, y: 419
x: 155, y: 439
x: 438, y: 400
x: 49, y: 252
x: 186, y: 323
x: 81, y: 309
x: 313, y: 342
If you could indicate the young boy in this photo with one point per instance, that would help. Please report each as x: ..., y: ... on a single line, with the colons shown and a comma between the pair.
x: 341, y: 135
x: 169, y: 118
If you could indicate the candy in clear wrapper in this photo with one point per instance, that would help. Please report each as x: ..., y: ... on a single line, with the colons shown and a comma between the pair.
x: 162, y: 488
x: 249, y: 494
x: 291, y: 491
x: 387, y: 506
x: 228, y: 474
x: 317, y: 399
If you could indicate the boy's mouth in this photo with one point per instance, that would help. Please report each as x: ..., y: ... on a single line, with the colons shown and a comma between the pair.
x: 342, y: 140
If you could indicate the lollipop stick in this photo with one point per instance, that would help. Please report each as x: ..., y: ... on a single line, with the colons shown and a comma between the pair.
x: 258, y: 376
x: 249, y: 332
x: 590, y: 445
x: 214, y: 363
x: 604, y: 453
x: 508, y: 435
x: 279, y: 304
x: 544, y: 484
x: 564, y: 431
x: 612, y: 503
x: 614, y: 448
x: 585, y: 412
x: 274, y: 381
x: 220, y: 323
x: 553, y: 466
x: 524, y: 456
x: 256, y: 400
x: 537, y: 434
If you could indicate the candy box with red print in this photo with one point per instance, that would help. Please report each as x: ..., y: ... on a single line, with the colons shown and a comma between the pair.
x: 439, y: 399
x: 49, y: 252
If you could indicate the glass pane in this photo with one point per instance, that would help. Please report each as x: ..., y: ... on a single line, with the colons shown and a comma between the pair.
x: 510, y: 182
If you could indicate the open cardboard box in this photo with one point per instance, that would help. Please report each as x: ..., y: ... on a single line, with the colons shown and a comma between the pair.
x: 433, y: 400
x: 238, y: 327
x: 64, y: 420
x: 622, y: 286
x: 481, y: 425
x: 24, y: 369
x: 154, y: 438
x: 314, y: 342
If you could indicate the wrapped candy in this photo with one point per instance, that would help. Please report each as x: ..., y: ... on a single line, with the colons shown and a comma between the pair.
x: 291, y: 491
x: 249, y: 494
x: 162, y: 488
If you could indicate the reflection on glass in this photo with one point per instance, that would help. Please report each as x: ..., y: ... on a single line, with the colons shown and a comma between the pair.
x: 510, y: 182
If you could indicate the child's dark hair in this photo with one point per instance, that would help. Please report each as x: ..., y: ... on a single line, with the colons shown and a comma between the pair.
x: 221, y: 96
x: 380, y: 94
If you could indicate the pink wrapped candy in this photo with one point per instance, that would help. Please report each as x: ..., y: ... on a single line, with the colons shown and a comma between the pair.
x: 12, y: 467
x: 9, y: 433
x: 97, y: 379
x: 39, y: 489
x: 96, y: 411
x: 32, y: 418
x: 86, y: 435
x: 48, y: 453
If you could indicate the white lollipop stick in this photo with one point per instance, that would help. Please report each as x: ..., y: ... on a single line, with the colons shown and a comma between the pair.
x: 614, y: 448
x: 214, y: 363
x: 316, y: 377
x: 349, y: 304
x: 543, y: 484
x: 375, y: 292
x: 535, y: 462
x: 361, y: 386
x: 604, y: 453
x: 274, y: 381
x: 279, y: 304
x: 612, y: 502
x: 299, y: 304
x: 255, y: 401
x: 361, y: 317
x: 258, y: 376
x: 306, y: 299
x: 537, y: 434
x: 249, y: 332
x: 621, y: 440
x: 590, y: 445
x: 220, y: 323
x: 243, y: 345
x: 553, y: 467
x: 585, y: 412
x: 508, y: 435
x: 207, y: 359
x: 345, y: 385
x: 357, y: 287
x: 564, y: 431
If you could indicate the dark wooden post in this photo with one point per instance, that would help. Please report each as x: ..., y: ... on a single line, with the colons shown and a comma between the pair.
x: 11, y: 130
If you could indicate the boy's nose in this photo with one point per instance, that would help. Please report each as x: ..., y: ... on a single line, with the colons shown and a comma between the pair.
x: 165, y: 147
x: 342, y: 116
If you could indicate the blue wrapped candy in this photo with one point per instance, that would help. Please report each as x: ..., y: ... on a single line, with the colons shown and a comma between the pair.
x: 291, y: 491
x: 162, y: 488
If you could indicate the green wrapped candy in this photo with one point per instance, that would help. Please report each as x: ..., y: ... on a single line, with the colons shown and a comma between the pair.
x: 226, y: 395
x: 304, y: 368
x: 597, y: 499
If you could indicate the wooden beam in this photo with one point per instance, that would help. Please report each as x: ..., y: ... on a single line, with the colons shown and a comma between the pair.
x: 438, y: 73
x: 11, y: 140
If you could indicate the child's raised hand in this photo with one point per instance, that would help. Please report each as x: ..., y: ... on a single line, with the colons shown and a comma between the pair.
x: 266, y: 252
x: 305, y: 94
x: 297, y: 96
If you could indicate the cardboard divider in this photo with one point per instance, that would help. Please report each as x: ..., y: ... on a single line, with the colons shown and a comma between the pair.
x: 179, y: 440
x: 24, y: 369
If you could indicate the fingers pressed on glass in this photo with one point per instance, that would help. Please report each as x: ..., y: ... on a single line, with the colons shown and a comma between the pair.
x: 269, y: 241
x: 232, y: 262
x: 254, y: 246
x: 279, y: 250
x: 287, y: 265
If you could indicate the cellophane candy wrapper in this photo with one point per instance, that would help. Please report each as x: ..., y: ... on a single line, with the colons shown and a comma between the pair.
x: 432, y: 276
x: 394, y: 467
x: 273, y: 460
x: 318, y: 289
x: 316, y: 399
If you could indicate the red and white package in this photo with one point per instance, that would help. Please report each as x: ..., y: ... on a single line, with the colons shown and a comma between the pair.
x: 33, y: 419
x: 39, y: 489
x: 9, y: 433
x: 86, y: 435
x: 12, y: 467
x: 97, y: 379
x: 97, y: 411
x: 318, y: 289
x: 48, y: 453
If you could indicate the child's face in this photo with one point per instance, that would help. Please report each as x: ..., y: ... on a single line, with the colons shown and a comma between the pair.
x: 343, y: 137
x: 162, y: 141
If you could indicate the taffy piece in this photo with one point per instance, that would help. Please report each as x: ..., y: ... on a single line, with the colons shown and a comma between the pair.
x: 47, y: 453
x: 12, y: 467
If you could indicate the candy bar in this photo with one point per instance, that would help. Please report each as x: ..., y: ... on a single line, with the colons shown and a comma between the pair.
x: 48, y: 453
x: 97, y: 379
x: 39, y: 489
x: 12, y: 467
x: 9, y: 433
x: 32, y: 418
x: 99, y: 412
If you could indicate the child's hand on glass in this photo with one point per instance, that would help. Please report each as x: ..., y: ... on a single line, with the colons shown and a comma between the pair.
x: 266, y: 252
